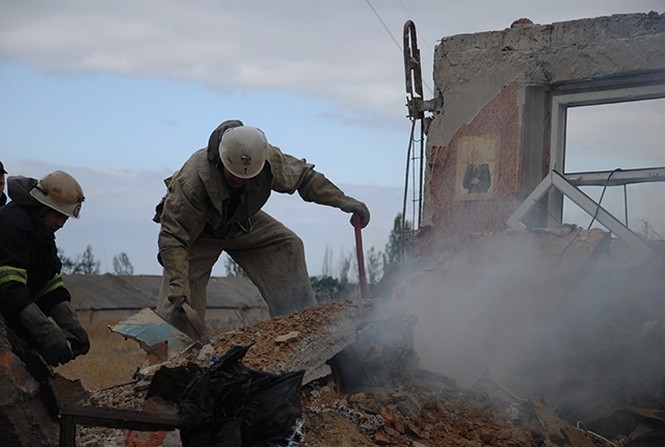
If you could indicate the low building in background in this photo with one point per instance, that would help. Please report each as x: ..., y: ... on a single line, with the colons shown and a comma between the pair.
x: 232, y: 301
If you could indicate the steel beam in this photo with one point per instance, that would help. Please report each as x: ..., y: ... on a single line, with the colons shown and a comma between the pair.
x: 641, y: 251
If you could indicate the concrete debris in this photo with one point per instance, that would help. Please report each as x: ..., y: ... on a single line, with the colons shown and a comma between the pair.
x: 287, y: 337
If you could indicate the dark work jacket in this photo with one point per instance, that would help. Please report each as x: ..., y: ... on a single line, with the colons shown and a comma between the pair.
x: 29, y: 262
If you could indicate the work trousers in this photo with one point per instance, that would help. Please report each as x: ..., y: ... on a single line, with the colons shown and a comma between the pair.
x: 273, y: 257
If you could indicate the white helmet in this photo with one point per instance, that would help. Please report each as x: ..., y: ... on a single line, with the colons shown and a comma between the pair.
x: 243, y: 151
x: 61, y: 192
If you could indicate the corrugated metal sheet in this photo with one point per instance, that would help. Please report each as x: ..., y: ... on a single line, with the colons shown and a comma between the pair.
x: 108, y: 292
x: 150, y: 329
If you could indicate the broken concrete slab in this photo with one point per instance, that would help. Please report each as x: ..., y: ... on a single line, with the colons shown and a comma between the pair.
x: 323, y: 332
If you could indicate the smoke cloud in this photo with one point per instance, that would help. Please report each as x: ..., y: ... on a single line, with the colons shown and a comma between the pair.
x: 543, y: 314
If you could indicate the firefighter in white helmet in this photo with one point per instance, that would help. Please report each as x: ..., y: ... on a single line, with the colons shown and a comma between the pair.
x: 243, y: 151
x: 34, y: 302
x: 213, y: 205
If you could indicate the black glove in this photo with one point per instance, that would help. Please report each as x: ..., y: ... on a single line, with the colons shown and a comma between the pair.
x: 52, y: 340
x: 64, y: 314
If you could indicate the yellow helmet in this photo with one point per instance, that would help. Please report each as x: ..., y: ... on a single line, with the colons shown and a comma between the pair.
x: 61, y: 192
x: 243, y: 151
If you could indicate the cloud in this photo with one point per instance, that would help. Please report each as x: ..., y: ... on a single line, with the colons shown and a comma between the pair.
x: 342, y: 56
x: 330, y: 49
x: 347, y: 50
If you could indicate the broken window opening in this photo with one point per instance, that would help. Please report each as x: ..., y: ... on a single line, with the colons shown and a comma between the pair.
x: 563, y: 186
x: 618, y: 138
x: 572, y: 143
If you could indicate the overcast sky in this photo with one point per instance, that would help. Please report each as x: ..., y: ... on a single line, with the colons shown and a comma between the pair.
x: 119, y: 93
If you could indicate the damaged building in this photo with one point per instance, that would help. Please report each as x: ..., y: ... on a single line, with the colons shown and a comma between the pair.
x: 503, y: 325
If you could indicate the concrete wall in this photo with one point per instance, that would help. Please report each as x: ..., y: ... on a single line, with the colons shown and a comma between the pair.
x: 496, y: 89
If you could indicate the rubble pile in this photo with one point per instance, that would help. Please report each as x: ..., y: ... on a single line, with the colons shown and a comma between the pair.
x: 419, y: 415
x: 555, y: 346
x: 421, y: 409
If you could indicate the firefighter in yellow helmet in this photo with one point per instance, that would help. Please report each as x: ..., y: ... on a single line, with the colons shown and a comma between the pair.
x: 34, y: 302
x: 213, y: 205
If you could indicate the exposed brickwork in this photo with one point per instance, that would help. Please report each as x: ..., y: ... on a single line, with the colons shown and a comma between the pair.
x: 453, y: 217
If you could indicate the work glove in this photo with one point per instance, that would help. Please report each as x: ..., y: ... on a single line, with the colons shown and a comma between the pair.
x: 351, y: 205
x: 52, y: 339
x: 65, y: 316
x: 322, y: 191
x: 176, y: 263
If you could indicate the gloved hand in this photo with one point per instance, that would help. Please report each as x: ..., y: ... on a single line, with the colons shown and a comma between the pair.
x: 351, y: 205
x: 64, y: 314
x: 176, y: 263
x: 52, y: 340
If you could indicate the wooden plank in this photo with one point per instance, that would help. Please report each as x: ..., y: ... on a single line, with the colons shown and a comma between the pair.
x: 72, y: 415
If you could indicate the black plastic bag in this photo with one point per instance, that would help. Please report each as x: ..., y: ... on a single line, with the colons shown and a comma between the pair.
x: 230, y: 405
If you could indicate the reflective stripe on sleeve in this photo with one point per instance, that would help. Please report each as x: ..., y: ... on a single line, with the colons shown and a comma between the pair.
x: 9, y: 274
x: 51, y: 285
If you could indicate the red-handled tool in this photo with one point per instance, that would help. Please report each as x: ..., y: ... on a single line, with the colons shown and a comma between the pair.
x: 361, y: 257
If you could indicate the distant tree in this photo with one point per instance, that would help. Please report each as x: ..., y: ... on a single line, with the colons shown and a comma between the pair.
x: 326, y: 267
x: 68, y: 265
x: 326, y: 288
x: 374, y: 265
x: 88, y: 265
x: 232, y: 268
x: 121, y: 265
x: 85, y: 263
x: 395, y: 246
x: 344, y: 269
